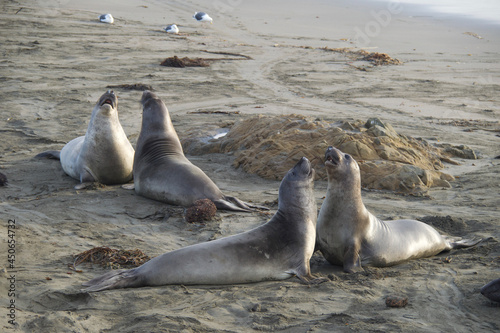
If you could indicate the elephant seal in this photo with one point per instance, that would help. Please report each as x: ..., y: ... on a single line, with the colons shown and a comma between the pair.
x: 349, y: 235
x: 163, y: 173
x: 276, y: 250
x: 492, y: 290
x: 104, y: 154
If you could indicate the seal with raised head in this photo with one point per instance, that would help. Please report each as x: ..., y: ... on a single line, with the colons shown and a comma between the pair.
x: 163, y: 173
x: 104, y: 154
x: 349, y: 235
x: 276, y: 250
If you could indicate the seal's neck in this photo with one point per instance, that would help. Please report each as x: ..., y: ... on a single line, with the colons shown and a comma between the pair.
x: 345, y: 200
x: 103, y: 122
x: 158, y: 123
x: 300, y: 202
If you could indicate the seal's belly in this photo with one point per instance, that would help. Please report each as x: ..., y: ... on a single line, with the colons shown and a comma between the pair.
x: 178, y: 184
x: 400, y: 240
x: 69, y: 157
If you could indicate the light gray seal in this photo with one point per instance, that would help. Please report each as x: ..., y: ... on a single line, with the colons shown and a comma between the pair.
x: 275, y: 250
x: 104, y: 154
x: 349, y: 235
x: 163, y: 173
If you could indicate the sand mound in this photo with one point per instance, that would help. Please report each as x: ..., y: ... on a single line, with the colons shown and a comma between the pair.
x: 269, y: 146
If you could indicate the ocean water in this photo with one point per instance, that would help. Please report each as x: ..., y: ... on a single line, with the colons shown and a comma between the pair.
x: 487, y: 11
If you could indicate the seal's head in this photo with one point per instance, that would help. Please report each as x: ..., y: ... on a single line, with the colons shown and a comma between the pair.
x: 155, y: 116
x: 297, y: 185
x: 108, y: 102
x: 302, y: 171
x: 340, y: 166
x: 148, y: 96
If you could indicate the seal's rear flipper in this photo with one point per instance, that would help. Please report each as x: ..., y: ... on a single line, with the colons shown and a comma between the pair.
x: 122, y: 278
x: 462, y: 243
x: 52, y: 154
x: 235, y: 204
x: 223, y: 204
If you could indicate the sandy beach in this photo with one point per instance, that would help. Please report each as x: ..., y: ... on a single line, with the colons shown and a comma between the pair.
x: 58, y: 59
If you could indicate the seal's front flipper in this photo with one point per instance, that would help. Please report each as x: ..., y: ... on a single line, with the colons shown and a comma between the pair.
x: 352, y: 261
x: 86, y: 179
x: 130, y: 186
x: 305, y: 276
x: 311, y: 279
x: 51, y: 154
x: 84, y: 185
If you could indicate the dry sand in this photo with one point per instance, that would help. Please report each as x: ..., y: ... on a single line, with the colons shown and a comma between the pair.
x: 57, y: 60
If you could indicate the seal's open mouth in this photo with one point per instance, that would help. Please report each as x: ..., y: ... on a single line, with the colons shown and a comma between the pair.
x: 332, y: 156
x: 108, y: 98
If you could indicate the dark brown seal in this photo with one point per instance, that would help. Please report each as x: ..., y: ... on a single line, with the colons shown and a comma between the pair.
x: 163, y: 173
x: 277, y: 250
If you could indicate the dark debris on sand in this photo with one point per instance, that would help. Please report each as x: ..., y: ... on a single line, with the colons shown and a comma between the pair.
x: 175, y: 61
x: 380, y: 59
x: 396, y: 301
x: 202, y: 210
x: 112, y: 258
x: 135, y: 86
x: 3, y: 179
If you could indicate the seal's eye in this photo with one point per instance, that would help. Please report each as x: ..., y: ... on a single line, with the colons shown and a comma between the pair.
x: 347, y: 157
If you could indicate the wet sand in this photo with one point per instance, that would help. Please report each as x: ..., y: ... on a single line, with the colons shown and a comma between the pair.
x: 57, y: 59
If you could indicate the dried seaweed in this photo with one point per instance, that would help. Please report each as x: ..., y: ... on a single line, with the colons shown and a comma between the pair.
x: 135, y: 86
x: 375, y: 57
x: 229, y: 53
x: 113, y: 258
x: 175, y: 61
x: 213, y: 112
x: 184, y: 62
x: 381, y: 59
x: 202, y: 210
